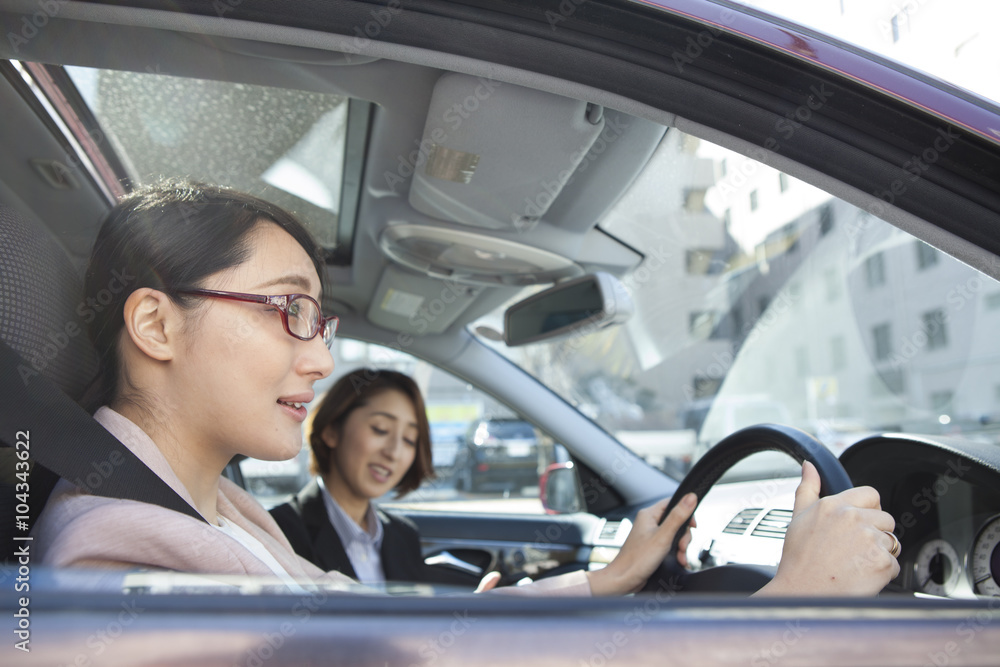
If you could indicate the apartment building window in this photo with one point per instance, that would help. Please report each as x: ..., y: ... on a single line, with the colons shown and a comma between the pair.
x: 882, y: 337
x: 875, y: 270
x: 825, y: 220
x: 936, y: 329
x: 694, y: 200
x: 993, y: 301
x: 926, y: 256
x: 702, y: 323
x: 783, y: 182
x: 753, y: 200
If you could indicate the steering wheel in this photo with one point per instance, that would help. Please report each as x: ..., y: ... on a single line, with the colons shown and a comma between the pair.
x: 670, y: 576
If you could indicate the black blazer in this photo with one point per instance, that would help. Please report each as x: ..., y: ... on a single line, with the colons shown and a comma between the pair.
x: 306, y: 525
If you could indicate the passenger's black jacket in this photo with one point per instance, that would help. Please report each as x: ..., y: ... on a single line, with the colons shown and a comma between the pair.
x: 306, y: 525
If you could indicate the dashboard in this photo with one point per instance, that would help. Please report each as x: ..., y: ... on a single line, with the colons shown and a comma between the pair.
x: 944, y: 493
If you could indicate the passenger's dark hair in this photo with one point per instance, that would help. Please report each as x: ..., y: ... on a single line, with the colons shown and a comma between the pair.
x: 169, y: 236
x: 351, y: 392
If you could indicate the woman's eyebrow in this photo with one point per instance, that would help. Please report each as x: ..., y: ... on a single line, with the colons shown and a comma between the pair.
x: 296, y: 279
x: 393, y: 417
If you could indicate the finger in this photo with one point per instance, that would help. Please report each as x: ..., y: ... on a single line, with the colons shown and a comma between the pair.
x: 682, y: 548
x: 681, y: 512
x: 488, y: 582
x: 877, y: 518
x: 808, y: 491
x: 861, y: 496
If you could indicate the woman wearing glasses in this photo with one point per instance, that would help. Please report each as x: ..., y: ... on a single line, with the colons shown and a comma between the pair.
x: 211, y: 350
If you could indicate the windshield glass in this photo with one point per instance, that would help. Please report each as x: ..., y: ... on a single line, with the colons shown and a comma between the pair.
x: 764, y: 299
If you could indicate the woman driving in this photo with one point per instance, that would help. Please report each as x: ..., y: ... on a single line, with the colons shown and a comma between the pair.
x: 213, y: 350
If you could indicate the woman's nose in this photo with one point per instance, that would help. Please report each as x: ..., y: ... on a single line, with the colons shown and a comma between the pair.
x: 318, y: 359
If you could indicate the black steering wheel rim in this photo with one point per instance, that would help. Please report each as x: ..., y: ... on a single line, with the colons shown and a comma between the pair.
x: 706, y: 472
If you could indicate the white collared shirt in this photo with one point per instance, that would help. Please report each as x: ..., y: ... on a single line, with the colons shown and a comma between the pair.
x: 363, y: 547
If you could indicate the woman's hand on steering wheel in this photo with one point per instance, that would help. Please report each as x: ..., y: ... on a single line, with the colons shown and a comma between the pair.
x: 645, y: 548
x: 834, y: 545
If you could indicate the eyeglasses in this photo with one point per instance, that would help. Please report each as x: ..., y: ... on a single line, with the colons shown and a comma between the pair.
x: 300, y: 313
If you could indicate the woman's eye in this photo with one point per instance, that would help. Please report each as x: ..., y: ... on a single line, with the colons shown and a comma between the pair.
x: 411, y: 443
x: 379, y: 431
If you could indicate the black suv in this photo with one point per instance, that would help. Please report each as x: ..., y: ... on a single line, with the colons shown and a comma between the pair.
x: 499, y: 455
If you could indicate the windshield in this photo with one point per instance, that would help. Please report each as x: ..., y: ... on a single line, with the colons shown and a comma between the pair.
x: 764, y: 299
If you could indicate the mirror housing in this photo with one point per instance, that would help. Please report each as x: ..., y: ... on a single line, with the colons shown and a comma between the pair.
x: 559, y: 489
x: 581, y: 305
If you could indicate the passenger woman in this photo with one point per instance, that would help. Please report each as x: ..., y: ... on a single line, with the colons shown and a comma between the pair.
x: 369, y: 436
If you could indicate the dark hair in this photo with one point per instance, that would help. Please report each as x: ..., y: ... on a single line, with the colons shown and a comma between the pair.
x: 168, y: 236
x: 355, y: 390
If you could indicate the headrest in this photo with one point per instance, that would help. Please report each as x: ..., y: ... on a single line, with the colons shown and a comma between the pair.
x: 43, y: 315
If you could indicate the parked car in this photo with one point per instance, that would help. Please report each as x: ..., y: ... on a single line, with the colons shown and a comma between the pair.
x: 794, y: 216
x: 499, y: 455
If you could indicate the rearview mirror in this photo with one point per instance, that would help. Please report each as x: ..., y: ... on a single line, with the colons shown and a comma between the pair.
x: 581, y: 305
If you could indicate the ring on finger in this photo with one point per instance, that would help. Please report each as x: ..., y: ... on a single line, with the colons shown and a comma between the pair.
x: 896, y: 548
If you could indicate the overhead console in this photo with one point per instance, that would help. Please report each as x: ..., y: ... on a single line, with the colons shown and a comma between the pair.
x: 496, y: 155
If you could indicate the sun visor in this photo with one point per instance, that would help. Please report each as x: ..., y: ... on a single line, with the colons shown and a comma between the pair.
x: 496, y: 155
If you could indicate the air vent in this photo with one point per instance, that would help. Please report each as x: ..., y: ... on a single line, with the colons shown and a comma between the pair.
x: 742, y: 521
x: 609, y: 531
x: 774, y: 524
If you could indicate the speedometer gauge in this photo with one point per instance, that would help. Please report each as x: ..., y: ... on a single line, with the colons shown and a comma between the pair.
x: 985, y: 559
x: 937, y: 568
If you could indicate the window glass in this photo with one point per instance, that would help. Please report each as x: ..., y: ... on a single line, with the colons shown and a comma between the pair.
x: 486, y: 457
x: 820, y: 316
x: 282, y: 144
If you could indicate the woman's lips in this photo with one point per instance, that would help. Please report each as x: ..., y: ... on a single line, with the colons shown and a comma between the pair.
x: 380, y: 473
x: 296, y: 410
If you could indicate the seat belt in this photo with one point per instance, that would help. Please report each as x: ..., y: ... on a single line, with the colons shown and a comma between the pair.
x: 63, y: 438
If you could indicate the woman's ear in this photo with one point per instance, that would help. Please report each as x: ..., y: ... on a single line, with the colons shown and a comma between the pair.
x: 329, y: 436
x: 151, y: 323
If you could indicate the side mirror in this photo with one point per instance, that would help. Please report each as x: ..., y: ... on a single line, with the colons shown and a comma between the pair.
x: 581, y: 305
x: 559, y: 489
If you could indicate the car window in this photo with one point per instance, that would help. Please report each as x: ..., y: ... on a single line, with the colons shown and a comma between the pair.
x: 766, y: 299
x: 486, y: 457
